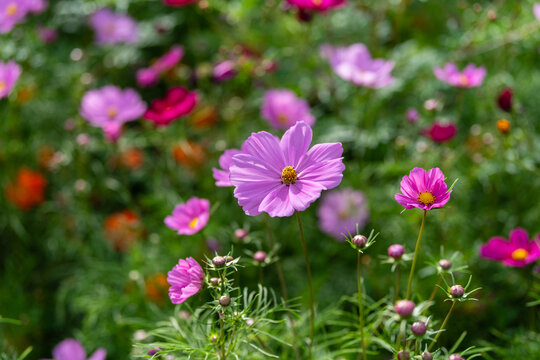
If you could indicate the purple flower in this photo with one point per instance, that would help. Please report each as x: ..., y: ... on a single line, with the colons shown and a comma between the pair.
x: 12, y: 12
x: 471, y: 76
x: 113, y: 28
x: 71, y: 349
x: 282, y: 109
x: 186, y: 279
x: 412, y: 115
x: 224, y: 70
x: 279, y: 177
x: 441, y: 132
x: 36, y: 6
x: 518, y: 251
x: 149, y: 76
x: 423, y: 189
x: 354, y: 64
x: 47, y: 35
x: 9, y: 74
x: 225, y: 161
x: 190, y: 217
x: 536, y: 10
x: 340, y: 212
x: 110, y: 107
x: 317, y: 5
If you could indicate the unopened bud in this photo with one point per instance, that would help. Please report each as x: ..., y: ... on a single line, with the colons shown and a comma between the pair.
x: 240, y: 233
x: 359, y: 241
x: 426, y: 355
x: 225, y: 301
x: 259, y: 256
x: 404, y: 308
x: 457, y: 291
x: 396, y: 251
x: 229, y: 258
x: 455, y: 357
x: 214, y: 281
x: 403, y: 355
x: 213, y: 338
x: 445, y: 264
x: 218, y: 261
x: 418, y: 328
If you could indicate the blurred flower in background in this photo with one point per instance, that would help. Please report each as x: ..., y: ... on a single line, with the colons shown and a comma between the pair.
x: 205, y: 117
x: 123, y: 229
x: 71, y: 349
x: 189, y: 154
x: 149, y: 76
x: 471, y: 76
x: 12, y: 12
x: 28, y: 190
x: 132, y: 158
x: 441, y: 132
x: 179, y: 3
x: 504, y: 99
x: 341, y: 211
x: 224, y: 70
x: 190, y: 217
x: 47, y: 35
x: 178, y: 102
x: 517, y: 251
x: 113, y: 28
x: 9, y: 74
x: 412, y: 115
x: 156, y: 287
x: 316, y: 5
x: 282, y: 109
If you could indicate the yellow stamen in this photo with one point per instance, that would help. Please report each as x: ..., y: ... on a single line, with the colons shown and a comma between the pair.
x: 282, y: 119
x: 317, y: 2
x: 2, y: 85
x: 288, y: 175
x: 463, y: 80
x: 112, y: 111
x: 11, y: 9
x: 193, y: 223
x: 520, y: 254
x: 426, y: 198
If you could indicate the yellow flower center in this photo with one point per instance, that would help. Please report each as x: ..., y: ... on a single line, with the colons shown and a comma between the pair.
x: 288, y: 175
x: 11, y: 9
x: 2, y: 85
x: 317, y: 2
x: 193, y: 223
x: 520, y: 254
x: 112, y: 111
x: 426, y: 198
x: 282, y: 118
x: 463, y: 80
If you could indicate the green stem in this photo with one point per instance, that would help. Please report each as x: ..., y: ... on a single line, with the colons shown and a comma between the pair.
x: 398, y: 278
x: 278, y: 263
x: 442, y: 326
x: 308, y: 271
x: 360, y: 305
x: 434, y: 292
x: 415, y: 255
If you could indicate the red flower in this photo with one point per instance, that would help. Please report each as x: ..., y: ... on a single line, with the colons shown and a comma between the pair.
x: 27, y: 190
x: 179, y: 3
x: 178, y: 102
x: 504, y: 100
x: 440, y: 132
x: 122, y: 230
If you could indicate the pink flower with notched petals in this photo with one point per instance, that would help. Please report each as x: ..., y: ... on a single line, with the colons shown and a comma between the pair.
x: 9, y: 74
x: 186, y: 279
x: 225, y: 161
x: 317, y: 5
x: 12, y: 12
x: 471, y: 76
x: 71, y: 349
x: 423, y: 189
x: 282, y: 109
x: 178, y: 102
x: 282, y: 176
x: 518, y: 251
x: 113, y: 28
x: 441, y: 132
x: 189, y: 218
x: 355, y: 64
x: 110, y: 107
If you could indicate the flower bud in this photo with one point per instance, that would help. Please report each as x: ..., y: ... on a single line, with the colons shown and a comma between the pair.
x: 426, y: 355
x: 404, y: 308
x: 359, y: 241
x: 445, y: 264
x: 213, y: 338
x: 396, y: 251
x: 418, y: 328
x: 503, y: 126
x: 240, y: 233
x: 225, y: 301
x: 218, y: 261
x: 229, y: 258
x: 259, y: 256
x: 504, y: 100
x: 214, y: 281
x: 403, y: 355
x: 153, y: 352
x: 455, y: 357
x: 457, y: 291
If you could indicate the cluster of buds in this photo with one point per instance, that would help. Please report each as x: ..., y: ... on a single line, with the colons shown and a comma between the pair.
x: 219, y: 284
x: 456, y: 292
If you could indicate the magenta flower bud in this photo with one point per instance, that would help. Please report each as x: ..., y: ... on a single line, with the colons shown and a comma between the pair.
x: 153, y: 352
x: 504, y: 100
x: 240, y: 233
x: 445, y: 264
x: 359, y: 241
x: 259, y: 256
x: 225, y: 301
x: 457, y: 291
x: 456, y: 357
x: 404, y: 308
x: 218, y: 261
x: 426, y: 355
x: 403, y: 355
x: 229, y: 258
x: 412, y: 115
x: 213, y: 338
x: 418, y: 328
x: 396, y: 251
x: 214, y: 281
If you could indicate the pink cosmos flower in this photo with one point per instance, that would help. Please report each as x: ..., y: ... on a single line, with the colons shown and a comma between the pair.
x: 12, y: 12
x: 281, y: 176
x: 423, y: 189
x: 224, y: 70
x: 536, y: 10
x: 149, y: 76
x: 471, y: 76
x: 317, y: 5
x: 186, y: 279
x: 178, y: 102
x: 412, y: 115
x: 354, y: 64
x: 178, y: 3
x: 9, y: 74
x: 46, y: 34
x: 36, y: 6
x: 225, y: 161
x: 110, y: 107
x: 282, y: 109
x: 441, y: 132
x: 190, y: 217
x: 113, y: 28
x: 518, y: 251
x: 71, y: 349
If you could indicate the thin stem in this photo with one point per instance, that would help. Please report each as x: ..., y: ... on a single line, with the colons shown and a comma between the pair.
x: 222, y: 338
x: 416, y: 255
x: 360, y: 305
x: 278, y: 263
x: 434, y: 292
x: 308, y: 271
x: 442, y: 326
x: 398, y: 278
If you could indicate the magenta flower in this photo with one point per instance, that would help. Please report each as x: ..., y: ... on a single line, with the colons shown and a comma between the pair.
x: 178, y: 102
x: 71, y: 349
x: 282, y: 109
x: 279, y: 177
x: 9, y: 74
x: 471, y: 76
x: 224, y: 70
x: 441, y: 132
x: 424, y: 190
x: 412, y: 115
x: 354, y: 64
x: 518, y: 251
x: 190, y: 217
x: 149, y: 76
x: 46, y: 34
x: 110, y: 107
x: 317, y: 5
x: 186, y: 279
x: 225, y: 161
x: 536, y: 10
x: 36, y: 6
x: 113, y: 28
x: 341, y: 211
x: 12, y: 12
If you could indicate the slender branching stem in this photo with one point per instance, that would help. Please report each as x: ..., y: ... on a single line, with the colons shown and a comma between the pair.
x: 278, y: 263
x: 360, y: 305
x: 310, y: 285
x: 415, y: 255
x: 398, y: 278
x: 442, y: 326
x: 434, y: 292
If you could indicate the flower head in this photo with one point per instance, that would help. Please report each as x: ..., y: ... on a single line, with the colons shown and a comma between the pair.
x: 149, y: 76
x: 178, y: 102
x: 47, y: 35
x: 71, y: 349
x: 122, y: 229
x: 355, y: 64
x: 110, y: 107
x: 536, y: 10
x: 9, y: 74
x: 441, y: 132
x: 412, y: 115
x: 190, y: 217
x: 503, y: 126
x: 12, y: 12
x: 518, y: 251
x: 505, y: 99
x: 28, y: 190
x: 317, y: 5
x: 282, y: 109
x: 224, y: 70
x: 341, y: 211
x: 281, y: 176
x: 225, y: 162
x: 471, y: 76
x: 186, y: 279
x: 113, y: 28
x: 423, y: 189
x: 189, y: 154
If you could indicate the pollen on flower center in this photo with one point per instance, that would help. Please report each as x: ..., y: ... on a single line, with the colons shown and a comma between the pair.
x: 11, y: 9
x: 288, y: 175
x: 282, y: 118
x: 426, y: 198
x: 317, y: 2
x: 112, y: 111
x: 520, y: 254
x: 2, y: 85
x: 193, y: 223
x: 463, y: 80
